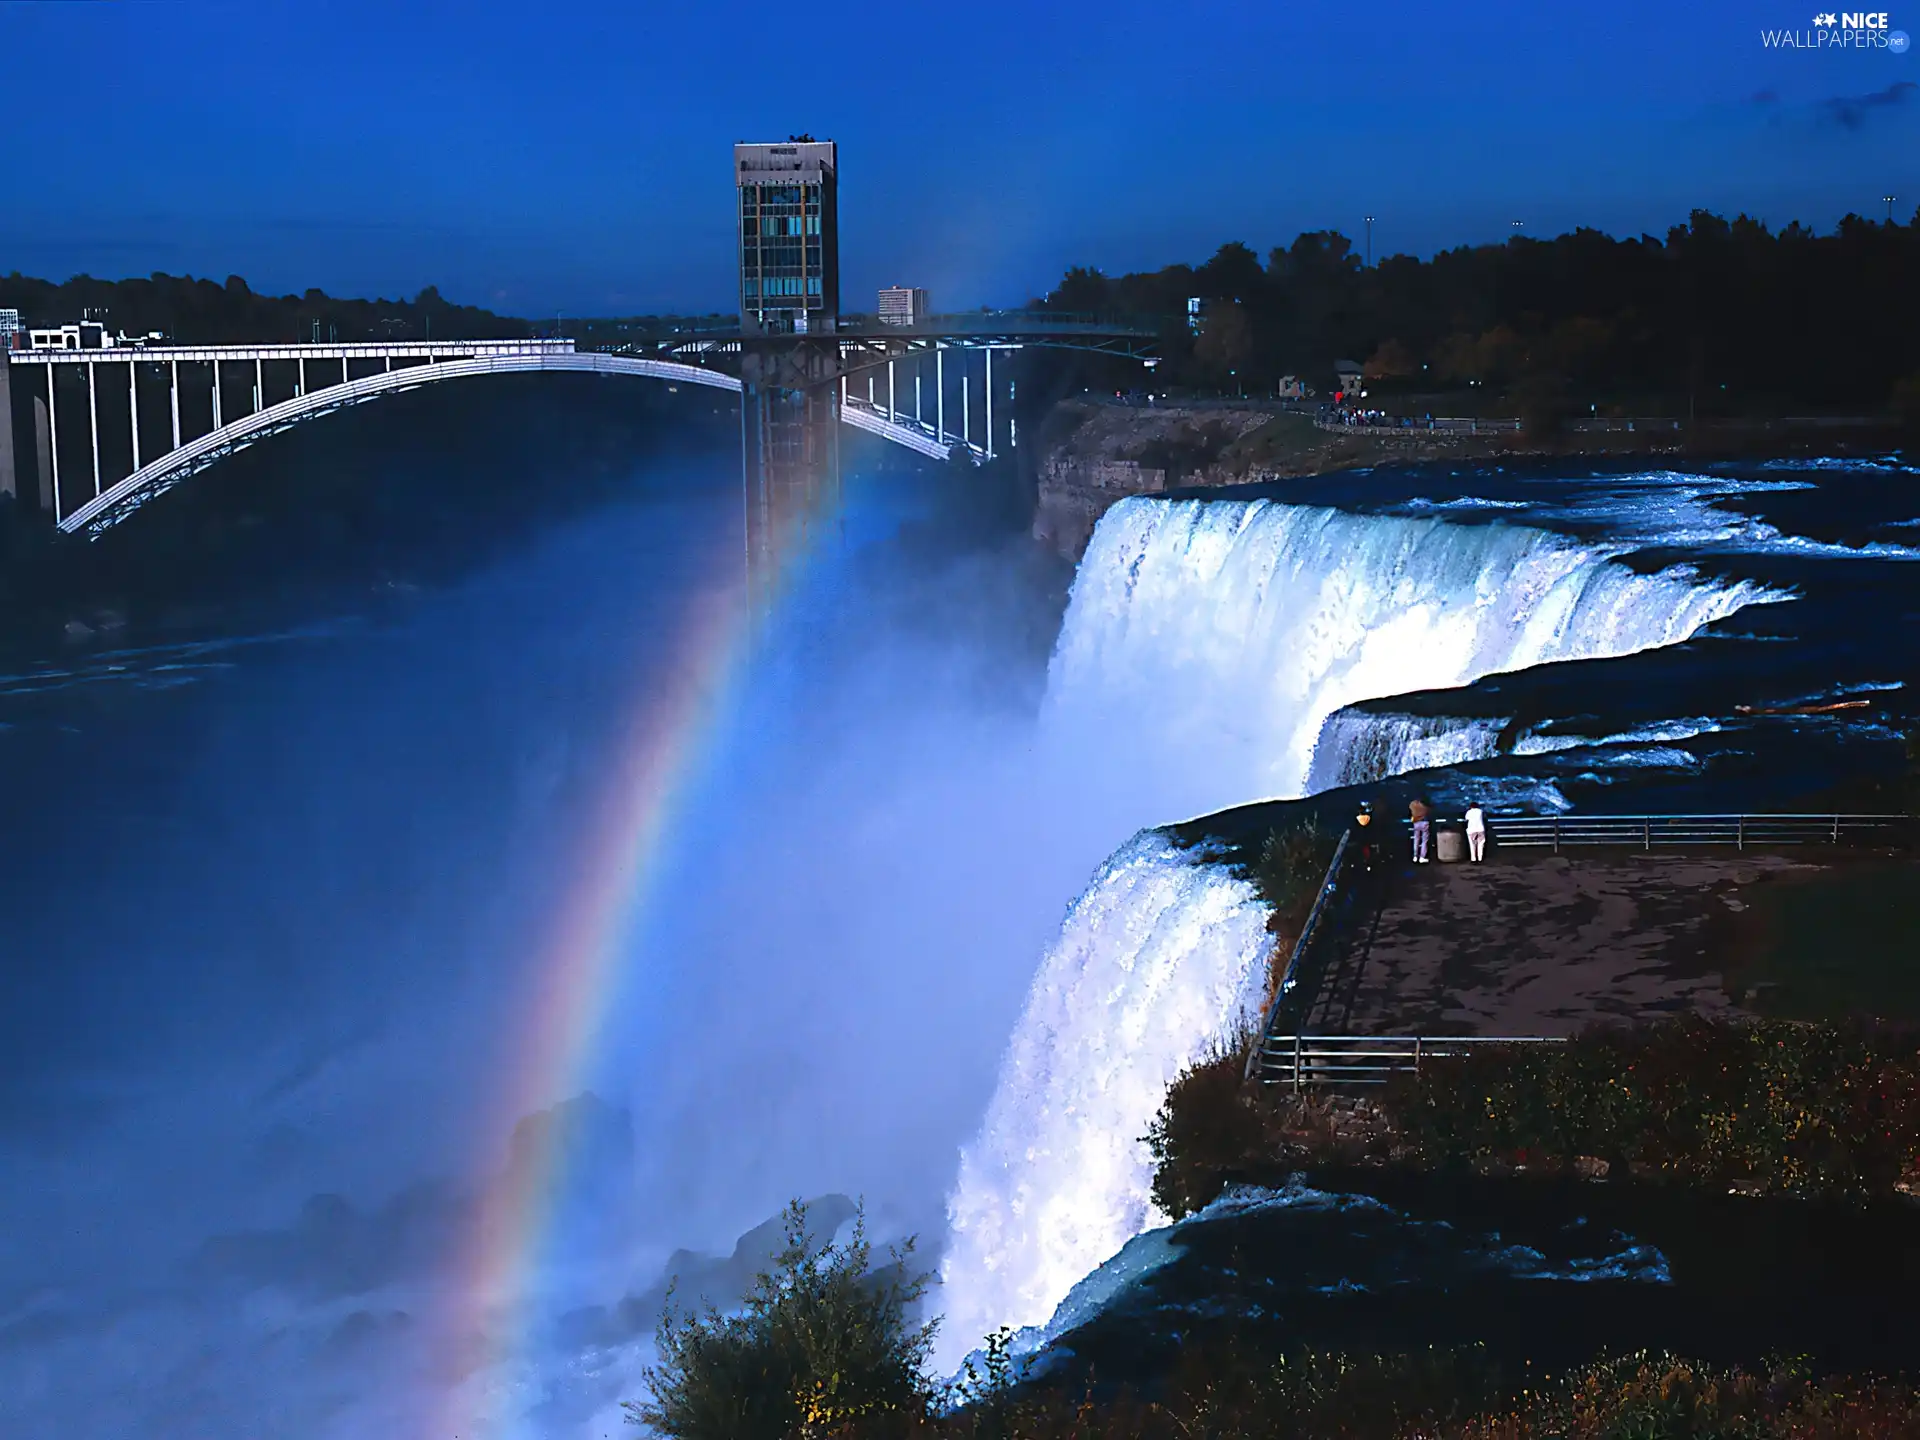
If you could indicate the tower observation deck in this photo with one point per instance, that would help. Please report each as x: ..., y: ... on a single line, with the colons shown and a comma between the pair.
x: 789, y: 236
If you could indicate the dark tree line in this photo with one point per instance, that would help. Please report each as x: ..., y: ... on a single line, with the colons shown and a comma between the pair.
x: 201, y: 312
x: 1730, y: 316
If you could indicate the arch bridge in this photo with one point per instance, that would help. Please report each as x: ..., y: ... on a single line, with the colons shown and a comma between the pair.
x: 146, y: 449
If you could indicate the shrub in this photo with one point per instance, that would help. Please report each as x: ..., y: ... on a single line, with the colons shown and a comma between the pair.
x: 823, y: 1347
x: 1293, y: 861
x: 1207, y: 1129
x: 1770, y: 1106
x: 1657, y: 1396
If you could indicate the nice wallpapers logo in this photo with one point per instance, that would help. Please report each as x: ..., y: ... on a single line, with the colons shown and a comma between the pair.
x: 1846, y: 30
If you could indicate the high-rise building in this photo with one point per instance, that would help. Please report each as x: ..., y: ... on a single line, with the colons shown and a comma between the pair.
x: 789, y: 236
x: 902, y: 305
x: 13, y: 334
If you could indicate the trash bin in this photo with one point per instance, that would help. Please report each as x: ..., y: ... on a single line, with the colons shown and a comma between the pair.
x: 1450, y: 844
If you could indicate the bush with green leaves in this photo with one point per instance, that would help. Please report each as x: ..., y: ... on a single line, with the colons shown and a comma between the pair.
x: 1293, y: 861
x: 1771, y: 1106
x: 1661, y: 1396
x: 824, y: 1346
x: 1206, y: 1131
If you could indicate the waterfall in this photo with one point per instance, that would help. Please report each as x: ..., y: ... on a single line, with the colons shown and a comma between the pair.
x: 1205, y: 645
x: 1206, y: 642
x: 1357, y: 747
x: 1159, y: 956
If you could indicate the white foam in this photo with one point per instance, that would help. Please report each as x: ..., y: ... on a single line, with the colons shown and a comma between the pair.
x: 1663, y: 730
x: 1668, y: 509
x: 1208, y: 641
x: 1162, y: 953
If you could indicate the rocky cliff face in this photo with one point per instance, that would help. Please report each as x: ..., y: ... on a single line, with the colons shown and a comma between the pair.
x: 1093, y: 455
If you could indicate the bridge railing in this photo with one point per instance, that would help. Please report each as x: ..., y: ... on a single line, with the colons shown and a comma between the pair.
x: 965, y: 322
x: 1303, y: 1062
x: 990, y: 322
x: 1651, y: 832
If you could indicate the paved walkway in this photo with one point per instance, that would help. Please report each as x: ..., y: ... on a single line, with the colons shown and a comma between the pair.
x: 1543, y: 946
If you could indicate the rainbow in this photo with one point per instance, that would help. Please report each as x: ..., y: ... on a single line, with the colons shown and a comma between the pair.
x: 573, y: 980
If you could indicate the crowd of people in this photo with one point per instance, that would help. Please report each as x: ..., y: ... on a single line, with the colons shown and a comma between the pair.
x: 1354, y: 417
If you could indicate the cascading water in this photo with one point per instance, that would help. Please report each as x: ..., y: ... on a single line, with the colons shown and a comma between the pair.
x: 1205, y: 644
x: 1357, y: 747
x: 1155, y: 959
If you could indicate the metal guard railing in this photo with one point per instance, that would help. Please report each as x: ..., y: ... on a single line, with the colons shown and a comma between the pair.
x: 1303, y: 1061
x: 1290, y: 977
x: 1648, y: 832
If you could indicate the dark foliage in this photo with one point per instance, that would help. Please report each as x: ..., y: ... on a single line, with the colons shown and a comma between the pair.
x: 1771, y: 1107
x: 1717, y: 317
x: 1766, y: 1107
x: 201, y: 312
x: 1225, y: 1388
x: 1222, y: 1387
x: 823, y: 1347
x: 1206, y: 1130
x: 1293, y: 861
x: 1659, y: 1396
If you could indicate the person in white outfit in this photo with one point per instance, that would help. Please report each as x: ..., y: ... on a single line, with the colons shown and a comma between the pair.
x: 1476, y: 832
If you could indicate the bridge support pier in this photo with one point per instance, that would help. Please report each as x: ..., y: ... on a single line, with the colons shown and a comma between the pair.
x: 49, y: 495
x: 988, y: 447
x: 790, y: 455
x: 53, y: 439
x: 9, y: 471
x: 93, y: 425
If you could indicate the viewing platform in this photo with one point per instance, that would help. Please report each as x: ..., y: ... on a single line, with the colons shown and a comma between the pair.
x: 1581, y: 920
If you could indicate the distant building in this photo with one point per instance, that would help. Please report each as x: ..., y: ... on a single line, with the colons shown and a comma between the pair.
x: 1349, y: 377
x: 1196, y: 312
x: 1292, y: 387
x: 13, y: 334
x: 789, y: 236
x: 86, y: 335
x: 902, y: 305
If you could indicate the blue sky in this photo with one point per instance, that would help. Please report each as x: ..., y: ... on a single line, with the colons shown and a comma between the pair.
x: 574, y: 156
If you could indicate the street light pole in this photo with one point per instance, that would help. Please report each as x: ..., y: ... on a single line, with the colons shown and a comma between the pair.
x: 1889, y: 199
x: 1369, y: 242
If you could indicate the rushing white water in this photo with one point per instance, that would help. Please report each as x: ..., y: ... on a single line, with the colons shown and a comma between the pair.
x: 1208, y: 641
x: 1161, y: 954
x: 1205, y: 644
x: 1357, y: 747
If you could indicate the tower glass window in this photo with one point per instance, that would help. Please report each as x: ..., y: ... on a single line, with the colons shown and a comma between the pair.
x: 789, y: 236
